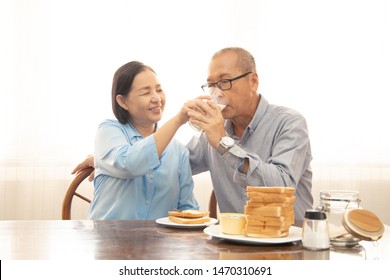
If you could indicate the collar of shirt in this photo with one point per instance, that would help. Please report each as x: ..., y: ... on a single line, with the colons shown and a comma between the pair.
x: 259, y: 114
x: 133, y: 134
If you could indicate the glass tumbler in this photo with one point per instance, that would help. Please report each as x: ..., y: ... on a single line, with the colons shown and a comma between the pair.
x: 217, y: 99
x: 334, y: 203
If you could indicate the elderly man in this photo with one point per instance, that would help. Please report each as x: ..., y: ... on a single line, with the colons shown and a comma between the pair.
x: 250, y: 142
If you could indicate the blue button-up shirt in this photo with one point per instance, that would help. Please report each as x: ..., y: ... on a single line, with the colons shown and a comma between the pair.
x: 276, y: 142
x: 132, y: 182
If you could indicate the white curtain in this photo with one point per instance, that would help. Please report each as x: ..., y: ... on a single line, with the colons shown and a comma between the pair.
x: 330, y: 60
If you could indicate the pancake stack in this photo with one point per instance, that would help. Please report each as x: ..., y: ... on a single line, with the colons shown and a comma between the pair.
x: 270, y: 211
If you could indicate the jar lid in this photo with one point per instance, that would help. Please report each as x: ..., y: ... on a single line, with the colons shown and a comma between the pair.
x: 363, y: 224
x: 314, y: 214
x: 340, y: 195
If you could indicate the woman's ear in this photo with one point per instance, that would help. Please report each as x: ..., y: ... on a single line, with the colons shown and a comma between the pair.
x: 122, y: 101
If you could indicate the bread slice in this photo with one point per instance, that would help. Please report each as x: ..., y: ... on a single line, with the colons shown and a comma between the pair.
x: 286, y: 190
x: 269, y: 211
x: 190, y: 213
x: 273, y: 199
x: 269, y: 234
x: 261, y: 204
x: 255, y: 222
x: 267, y: 195
x: 265, y: 229
x: 179, y: 220
x: 261, y: 218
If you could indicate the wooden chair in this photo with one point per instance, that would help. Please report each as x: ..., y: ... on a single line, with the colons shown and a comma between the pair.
x: 213, y: 205
x: 72, y: 191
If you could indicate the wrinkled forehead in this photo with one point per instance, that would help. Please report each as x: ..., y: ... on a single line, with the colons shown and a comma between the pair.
x: 223, y: 66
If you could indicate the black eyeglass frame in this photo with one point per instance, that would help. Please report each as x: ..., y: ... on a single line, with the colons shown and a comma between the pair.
x: 210, y: 85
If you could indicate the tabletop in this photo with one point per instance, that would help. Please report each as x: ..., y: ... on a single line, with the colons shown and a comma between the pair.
x: 147, y: 240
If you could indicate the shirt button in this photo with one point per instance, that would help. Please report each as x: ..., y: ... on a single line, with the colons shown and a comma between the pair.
x: 147, y: 202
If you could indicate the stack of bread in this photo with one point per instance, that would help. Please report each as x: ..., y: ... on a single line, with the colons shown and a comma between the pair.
x: 189, y: 216
x: 269, y: 211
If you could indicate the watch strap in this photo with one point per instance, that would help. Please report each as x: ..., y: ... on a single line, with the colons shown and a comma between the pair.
x: 222, y: 149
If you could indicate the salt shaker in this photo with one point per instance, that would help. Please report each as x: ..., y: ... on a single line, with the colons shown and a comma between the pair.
x: 315, y: 231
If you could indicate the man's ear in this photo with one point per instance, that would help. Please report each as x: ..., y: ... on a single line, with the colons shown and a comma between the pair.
x: 255, y: 81
x: 121, y: 101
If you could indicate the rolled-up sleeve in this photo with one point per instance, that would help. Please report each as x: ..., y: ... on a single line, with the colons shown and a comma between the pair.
x: 114, y: 156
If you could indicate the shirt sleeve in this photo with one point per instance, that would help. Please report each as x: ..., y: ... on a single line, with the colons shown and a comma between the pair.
x: 290, y: 157
x: 198, y: 154
x: 187, y: 199
x: 116, y: 156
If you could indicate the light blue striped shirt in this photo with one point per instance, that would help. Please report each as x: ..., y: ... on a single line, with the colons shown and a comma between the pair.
x: 132, y: 182
x: 276, y: 142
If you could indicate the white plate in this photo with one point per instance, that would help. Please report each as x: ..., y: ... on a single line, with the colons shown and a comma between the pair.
x: 166, y: 222
x: 294, y: 235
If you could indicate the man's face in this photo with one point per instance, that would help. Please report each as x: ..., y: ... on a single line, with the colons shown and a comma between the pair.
x: 224, y: 66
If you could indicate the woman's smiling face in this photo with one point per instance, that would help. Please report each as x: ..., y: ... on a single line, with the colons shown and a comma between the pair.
x: 146, y: 99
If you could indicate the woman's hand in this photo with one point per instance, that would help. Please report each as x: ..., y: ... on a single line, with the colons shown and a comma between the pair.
x: 89, y: 161
x: 191, y: 105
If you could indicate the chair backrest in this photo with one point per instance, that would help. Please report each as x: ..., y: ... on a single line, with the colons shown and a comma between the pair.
x: 213, y: 205
x: 72, y: 191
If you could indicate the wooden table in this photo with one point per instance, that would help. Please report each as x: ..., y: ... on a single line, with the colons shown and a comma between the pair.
x: 146, y: 240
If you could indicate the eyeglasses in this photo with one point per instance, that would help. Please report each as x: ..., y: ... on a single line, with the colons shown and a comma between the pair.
x: 224, y: 84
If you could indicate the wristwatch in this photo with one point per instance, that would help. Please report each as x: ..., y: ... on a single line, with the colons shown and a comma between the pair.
x: 225, y: 144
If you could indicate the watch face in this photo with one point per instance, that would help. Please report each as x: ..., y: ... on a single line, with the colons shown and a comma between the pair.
x: 227, y: 141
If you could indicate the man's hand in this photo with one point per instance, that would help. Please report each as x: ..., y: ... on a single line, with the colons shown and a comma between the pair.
x: 208, y: 116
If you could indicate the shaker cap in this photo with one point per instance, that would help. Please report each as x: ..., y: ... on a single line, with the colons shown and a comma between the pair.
x: 314, y: 214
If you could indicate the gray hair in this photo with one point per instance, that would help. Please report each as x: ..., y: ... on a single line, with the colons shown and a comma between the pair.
x: 245, y: 62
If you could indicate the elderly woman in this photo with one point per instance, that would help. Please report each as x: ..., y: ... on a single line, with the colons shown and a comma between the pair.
x: 140, y: 171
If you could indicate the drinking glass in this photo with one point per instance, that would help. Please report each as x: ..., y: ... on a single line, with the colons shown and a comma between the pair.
x: 220, y: 101
x: 217, y: 99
